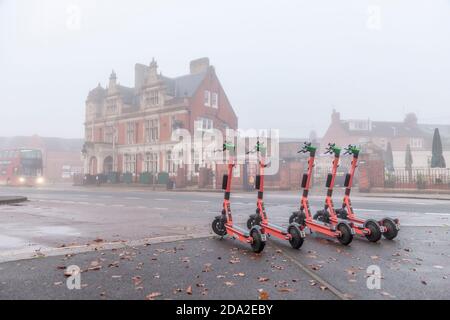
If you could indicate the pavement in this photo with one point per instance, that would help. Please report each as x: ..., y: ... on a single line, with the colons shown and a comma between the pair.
x: 77, y: 226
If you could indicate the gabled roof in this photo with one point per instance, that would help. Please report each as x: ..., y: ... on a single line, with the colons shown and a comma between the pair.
x: 184, y: 86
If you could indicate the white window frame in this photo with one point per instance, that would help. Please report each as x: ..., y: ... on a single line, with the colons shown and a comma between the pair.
x: 151, y: 130
x: 129, y: 163
x: 215, y: 100
x: 204, y: 124
x: 207, y: 98
x: 151, y: 162
x: 131, y: 132
x: 416, y: 143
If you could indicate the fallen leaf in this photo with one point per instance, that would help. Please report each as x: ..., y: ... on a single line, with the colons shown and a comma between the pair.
x: 229, y: 283
x: 285, y: 290
x: 58, y: 283
x: 240, y: 274
x: 263, y: 295
x: 189, y: 290
x: 153, y: 295
x: 137, y: 280
x: 262, y: 279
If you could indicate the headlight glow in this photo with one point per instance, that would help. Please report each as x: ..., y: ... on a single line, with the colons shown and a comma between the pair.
x: 40, y: 180
x: 22, y: 180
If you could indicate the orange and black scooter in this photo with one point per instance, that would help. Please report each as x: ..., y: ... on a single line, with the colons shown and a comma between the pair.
x: 341, y: 230
x: 369, y: 228
x: 223, y: 224
x: 294, y: 233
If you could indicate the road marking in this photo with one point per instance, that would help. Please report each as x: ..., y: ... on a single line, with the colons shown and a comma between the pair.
x: 200, y: 201
x: 437, y: 214
x: 132, y: 198
x: 156, y: 208
x: 118, y: 205
x: 141, y: 207
x: 162, y: 199
x: 313, y: 275
x: 84, y: 203
x: 106, y: 197
x: 371, y: 210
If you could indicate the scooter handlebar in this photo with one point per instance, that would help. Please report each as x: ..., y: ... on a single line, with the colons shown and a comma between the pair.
x: 307, y: 147
x: 332, y: 149
x: 351, y: 149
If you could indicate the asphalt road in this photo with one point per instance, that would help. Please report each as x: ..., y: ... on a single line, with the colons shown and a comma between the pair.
x: 415, y: 265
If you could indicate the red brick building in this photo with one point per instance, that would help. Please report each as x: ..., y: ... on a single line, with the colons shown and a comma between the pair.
x: 375, y: 135
x: 61, y: 157
x: 129, y: 129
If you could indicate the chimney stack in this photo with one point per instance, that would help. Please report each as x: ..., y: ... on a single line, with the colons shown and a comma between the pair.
x: 199, y: 65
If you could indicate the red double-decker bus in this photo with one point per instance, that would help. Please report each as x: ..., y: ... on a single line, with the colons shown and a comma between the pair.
x: 21, y: 167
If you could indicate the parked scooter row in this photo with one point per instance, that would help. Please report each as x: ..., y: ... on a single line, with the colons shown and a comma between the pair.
x: 340, y: 223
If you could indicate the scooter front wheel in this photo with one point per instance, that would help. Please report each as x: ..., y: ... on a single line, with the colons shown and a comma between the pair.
x: 346, y: 236
x: 391, y: 229
x: 219, y: 227
x: 258, y: 244
x: 296, y: 240
x: 375, y: 233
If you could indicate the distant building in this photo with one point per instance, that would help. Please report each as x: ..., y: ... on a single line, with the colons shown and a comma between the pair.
x: 128, y: 129
x: 378, y: 133
x: 61, y: 157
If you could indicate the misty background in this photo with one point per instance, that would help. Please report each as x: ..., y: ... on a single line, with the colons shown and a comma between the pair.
x: 284, y: 64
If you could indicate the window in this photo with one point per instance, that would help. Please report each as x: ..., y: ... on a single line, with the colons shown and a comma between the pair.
x: 151, y: 130
x: 416, y: 143
x: 111, y: 106
x: 152, y: 98
x: 170, y: 162
x: 110, y: 134
x: 130, y: 163
x: 207, y: 98
x: 131, y: 132
x: 151, y: 162
x: 215, y: 100
x: 88, y: 134
x: 203, y: 124
x: 100, y: 135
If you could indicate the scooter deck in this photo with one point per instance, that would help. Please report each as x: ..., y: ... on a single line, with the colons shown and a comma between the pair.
x: 275, y: 228
x: 242, y: 231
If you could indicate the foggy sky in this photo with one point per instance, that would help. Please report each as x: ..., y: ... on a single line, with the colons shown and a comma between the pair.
x: 283, y: 64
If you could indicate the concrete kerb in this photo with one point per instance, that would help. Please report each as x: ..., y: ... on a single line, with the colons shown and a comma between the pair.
x: 17, y: 255
x: 12, y: 200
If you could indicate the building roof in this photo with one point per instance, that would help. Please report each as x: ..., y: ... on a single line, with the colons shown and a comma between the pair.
x: 184, y: 86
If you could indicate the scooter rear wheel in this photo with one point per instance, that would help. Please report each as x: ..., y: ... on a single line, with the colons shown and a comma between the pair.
x: 346, y: 236
x: 375, y: 233
x: 219, y: 227
x: 296, y: 240
x: 258, y: 244
x: 391, y: 231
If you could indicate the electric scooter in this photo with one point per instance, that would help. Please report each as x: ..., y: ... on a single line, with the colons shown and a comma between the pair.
x: 341, y: 230
x: 223, y: 225
x: 388, y: 227
x: 294, y: 233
